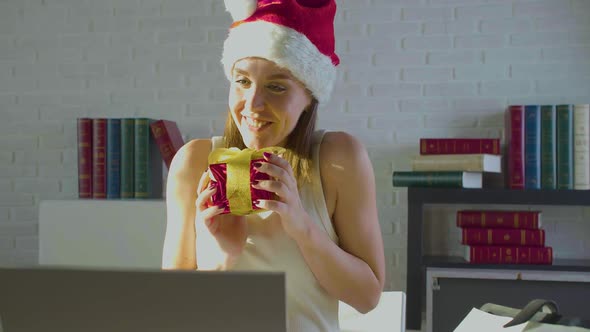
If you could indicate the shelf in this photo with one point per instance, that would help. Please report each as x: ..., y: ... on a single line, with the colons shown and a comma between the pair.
x: 570, y: 265
x: 416, y: 261
x: 498, y: 196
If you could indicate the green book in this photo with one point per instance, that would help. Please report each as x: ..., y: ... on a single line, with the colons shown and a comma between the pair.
x: 443, y: 179
x: 548, y: 148
x: 127, y: 156
x: 565, y: 146
x: 147, y: 162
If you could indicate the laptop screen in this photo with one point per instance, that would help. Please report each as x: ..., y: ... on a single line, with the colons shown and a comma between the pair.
x: 66, y: 299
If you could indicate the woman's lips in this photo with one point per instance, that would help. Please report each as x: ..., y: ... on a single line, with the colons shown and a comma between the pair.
x: 255, y: 125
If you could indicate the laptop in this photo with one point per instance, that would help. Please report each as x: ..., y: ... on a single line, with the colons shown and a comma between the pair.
x: 48, y: 299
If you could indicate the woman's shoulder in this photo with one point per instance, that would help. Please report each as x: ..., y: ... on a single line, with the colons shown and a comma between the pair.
x: 339, y: 146
x: 342, y: 156
x: 191, y: 155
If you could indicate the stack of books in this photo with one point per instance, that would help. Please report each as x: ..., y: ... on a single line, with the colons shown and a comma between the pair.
x: 548, y: 146
x: 503, y: 237
x: 452, y: 163
x: 122, y: 158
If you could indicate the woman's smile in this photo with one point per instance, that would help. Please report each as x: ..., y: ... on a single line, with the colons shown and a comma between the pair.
x: 255, y: 125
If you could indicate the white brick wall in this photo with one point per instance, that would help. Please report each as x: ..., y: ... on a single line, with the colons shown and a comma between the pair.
x: 410, y: 69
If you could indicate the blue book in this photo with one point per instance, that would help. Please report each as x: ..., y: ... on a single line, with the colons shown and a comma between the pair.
x: 113, y: 158
x: 532, y: 147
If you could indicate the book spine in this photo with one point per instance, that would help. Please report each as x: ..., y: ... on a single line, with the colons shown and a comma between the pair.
x: 515, y: 144
x: 148, y: 162
x: 565, y: 147
x: 127, y: 158
x: 429, y: 146
x: 510, y: 255
x: 141, y: 153
x: 175, y: 135
x: 582, y: 147
x: 498, y: 219
x: 84, y: 126
x: 428, y: 179
x: 167, y: 138
x: 467, y: 163
x: 548, y: 147
x: 114, y: 158
x: 501, y: 236
x: 532, y: 150
x: 155, y: 167
x: 99, y: 160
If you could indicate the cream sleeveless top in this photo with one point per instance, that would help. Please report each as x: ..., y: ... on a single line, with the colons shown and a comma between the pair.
x: 309, y: 307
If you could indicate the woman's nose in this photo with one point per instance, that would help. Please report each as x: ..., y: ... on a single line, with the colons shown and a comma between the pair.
x: 255, y: 99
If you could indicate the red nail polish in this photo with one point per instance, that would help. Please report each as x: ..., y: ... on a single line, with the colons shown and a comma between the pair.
x: 267, y: 155
x: 257, y: 164
x: 255, y: 182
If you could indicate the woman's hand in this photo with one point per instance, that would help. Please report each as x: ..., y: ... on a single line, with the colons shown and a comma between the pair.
x: 288, y: 205
x: 228, y: 230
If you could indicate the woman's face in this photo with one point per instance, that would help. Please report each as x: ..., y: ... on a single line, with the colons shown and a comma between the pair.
x: 265, y: 102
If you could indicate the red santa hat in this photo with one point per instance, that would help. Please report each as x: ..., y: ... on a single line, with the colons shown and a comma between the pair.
x: 295, y: 34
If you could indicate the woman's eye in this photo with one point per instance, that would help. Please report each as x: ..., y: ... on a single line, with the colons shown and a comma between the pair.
x: 242, y: 81
x: 276, y: 88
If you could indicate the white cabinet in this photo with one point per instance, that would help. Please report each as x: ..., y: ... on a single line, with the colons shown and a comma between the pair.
x: 102, y: 233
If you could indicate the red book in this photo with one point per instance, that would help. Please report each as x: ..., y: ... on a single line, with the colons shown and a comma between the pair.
x: 503, y: 237
x: 499, y: 219
x: 515, y: 146
x: 84, y: 157
x: 168, y: 139
x: 99, y: 158
x: 508, y: 255
x: 430, y: 146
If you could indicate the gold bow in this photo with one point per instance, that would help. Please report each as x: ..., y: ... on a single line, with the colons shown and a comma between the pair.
x: 238, y: 174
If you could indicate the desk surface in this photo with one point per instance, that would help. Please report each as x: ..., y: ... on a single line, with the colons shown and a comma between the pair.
x: 389, y: 315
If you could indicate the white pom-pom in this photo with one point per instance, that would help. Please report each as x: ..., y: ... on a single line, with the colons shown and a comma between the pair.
x: 240, y: 9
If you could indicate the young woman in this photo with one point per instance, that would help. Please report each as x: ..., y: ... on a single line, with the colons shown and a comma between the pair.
x: 323, y: 229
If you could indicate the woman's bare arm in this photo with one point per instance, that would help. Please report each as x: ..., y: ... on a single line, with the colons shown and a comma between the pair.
x: 186, y: 169
x: 354, y: 271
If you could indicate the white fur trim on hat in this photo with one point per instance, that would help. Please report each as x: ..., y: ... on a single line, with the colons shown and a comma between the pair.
x: 285, y: 47
x: 240, y: 9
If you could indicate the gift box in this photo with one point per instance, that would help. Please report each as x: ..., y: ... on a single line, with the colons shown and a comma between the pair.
x: 233, y: 172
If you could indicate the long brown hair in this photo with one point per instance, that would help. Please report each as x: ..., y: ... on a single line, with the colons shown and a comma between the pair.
x: 298, y: 146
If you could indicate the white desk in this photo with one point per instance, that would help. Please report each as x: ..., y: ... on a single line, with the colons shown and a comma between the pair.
x: 388, y: 316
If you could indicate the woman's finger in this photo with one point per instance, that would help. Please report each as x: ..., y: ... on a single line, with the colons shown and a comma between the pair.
x: 279, y: 161
x: 202, y: 182
x: 209, y: 215
x: 203, y: 197
x: 277, y: 187
x: 272, y: 205
x: 274, y: 171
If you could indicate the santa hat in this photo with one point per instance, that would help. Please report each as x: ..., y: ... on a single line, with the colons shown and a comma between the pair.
x: 295, y: 34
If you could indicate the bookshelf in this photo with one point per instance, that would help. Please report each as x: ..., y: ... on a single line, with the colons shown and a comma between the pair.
x: 417, y: 261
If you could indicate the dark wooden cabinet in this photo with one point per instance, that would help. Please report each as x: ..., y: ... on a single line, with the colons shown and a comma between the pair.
x: 417, y: 261
x: 452, y: 292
